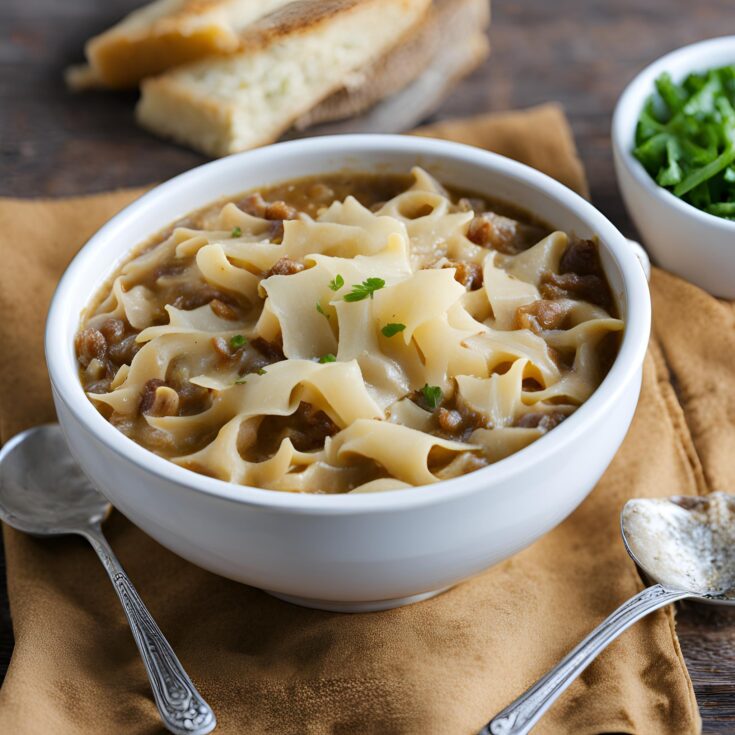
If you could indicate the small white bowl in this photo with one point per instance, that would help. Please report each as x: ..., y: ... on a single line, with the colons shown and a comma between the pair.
x: 352, y: 552
x: 695, y: 245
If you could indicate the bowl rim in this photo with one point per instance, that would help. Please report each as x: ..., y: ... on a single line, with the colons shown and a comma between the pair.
x: 633, y: 96
x: 67, y: 387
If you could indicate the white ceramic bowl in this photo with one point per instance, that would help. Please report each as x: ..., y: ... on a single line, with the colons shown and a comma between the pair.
x: 352, y: 552
x: 695, y: 245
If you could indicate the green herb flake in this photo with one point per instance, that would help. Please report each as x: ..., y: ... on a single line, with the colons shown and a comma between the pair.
x: 240, y: 381
x: 389, y: 330
x: 367, y: 288
x: 237, y: 342
x: 329, y: 357
x: 433, y: 395
x: 320, y: 309
x: 685, y: 138
x: 336, y: 283
x: 236, y: 232
x: 260, y: 371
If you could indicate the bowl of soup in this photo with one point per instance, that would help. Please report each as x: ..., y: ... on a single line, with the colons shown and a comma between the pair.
x: 353, y: 370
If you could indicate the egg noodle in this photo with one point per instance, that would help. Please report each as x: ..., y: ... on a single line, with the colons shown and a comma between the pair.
x: 411, y: 376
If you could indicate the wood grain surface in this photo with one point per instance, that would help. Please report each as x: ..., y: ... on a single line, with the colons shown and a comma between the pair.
x: 579, y: 52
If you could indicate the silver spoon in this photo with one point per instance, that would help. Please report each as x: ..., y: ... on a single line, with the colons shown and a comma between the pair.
x: 686, y: 546
x: 44, y: 492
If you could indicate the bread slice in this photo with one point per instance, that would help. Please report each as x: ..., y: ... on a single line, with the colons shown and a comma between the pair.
x: 164, y: 34
x: 286, y: 63
x: 450, y: 38
x: 410, y: 106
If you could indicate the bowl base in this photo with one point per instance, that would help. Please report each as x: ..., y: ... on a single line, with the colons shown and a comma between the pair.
x: 356, y: 607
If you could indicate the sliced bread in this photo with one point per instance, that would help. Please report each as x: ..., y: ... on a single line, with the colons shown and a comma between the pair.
x: 164, y: 34
x: 287, y: 63
x: 451, y: 37
x: 413, y: 104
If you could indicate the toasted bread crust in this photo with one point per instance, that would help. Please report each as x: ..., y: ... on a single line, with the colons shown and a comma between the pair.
x: 167, y: 33
x: 408, y: 59
x: 299, y: 17
x: 123, y: 63
x: 186, y: 105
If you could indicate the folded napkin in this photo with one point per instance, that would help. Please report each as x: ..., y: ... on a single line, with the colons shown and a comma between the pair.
x: 442, y: 666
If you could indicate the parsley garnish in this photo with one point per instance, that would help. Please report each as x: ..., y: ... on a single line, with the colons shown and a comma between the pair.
x: 240, y: 381
x: 321, y: 310
x: 367, y: 288
x: 260, y: 371
x: 336, y: 283
x: 432, y: 395
x: 685, y: 138
x: 236, y: 232
x: 392, y: 329
x: 329, y: 357
x: 237, y: 341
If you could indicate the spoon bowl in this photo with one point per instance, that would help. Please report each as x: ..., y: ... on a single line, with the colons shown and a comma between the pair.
x: 43, y: 491
x: 685, y: 543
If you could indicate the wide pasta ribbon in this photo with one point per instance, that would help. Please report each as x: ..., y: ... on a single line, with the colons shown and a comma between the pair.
x: 440, y: 321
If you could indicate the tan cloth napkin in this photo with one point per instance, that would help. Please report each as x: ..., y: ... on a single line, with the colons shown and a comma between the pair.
x: 443, y: 666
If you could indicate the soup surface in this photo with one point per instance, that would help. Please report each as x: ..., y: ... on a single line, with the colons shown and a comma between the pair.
x: 348, y: 333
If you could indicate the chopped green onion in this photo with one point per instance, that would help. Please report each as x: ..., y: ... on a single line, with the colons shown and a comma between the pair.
x: 672, y: 94
x: 685, y: 138
x: 671, y: 175
x: 700, y: 175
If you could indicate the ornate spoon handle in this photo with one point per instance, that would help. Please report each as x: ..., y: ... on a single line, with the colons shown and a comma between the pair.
x: 522, y: 714
x: 182, y: 709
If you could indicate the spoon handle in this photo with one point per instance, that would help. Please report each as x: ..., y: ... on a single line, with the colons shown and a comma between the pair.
x: 182, y: 709
x: 521, y: 715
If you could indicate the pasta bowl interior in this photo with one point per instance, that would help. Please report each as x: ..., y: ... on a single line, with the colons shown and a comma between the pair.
x: 352, y: 370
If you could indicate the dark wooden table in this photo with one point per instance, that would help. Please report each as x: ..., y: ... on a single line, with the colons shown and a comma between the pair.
x: 580, y: 52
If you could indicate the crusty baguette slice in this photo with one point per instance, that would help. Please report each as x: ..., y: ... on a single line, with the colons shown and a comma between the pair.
x: 164, y: 34
x: 450, y: 36
x: 288, y: 62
